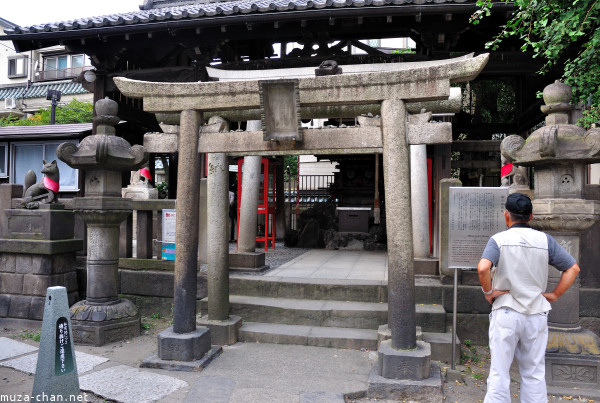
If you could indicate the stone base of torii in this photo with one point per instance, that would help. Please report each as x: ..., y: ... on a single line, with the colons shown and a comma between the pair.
x: 404, y: 367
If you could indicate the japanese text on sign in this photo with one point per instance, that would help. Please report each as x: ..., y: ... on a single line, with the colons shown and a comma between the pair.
x: 475, y: 214
x: 63, y: 362
x: 168, y: 226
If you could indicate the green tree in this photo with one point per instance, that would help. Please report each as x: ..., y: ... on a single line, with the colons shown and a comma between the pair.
x: 565, y: 34
x: 292, y: 162
x: 73, y: 112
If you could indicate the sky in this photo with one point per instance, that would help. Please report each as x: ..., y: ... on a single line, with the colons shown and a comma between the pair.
x: 32, y: 12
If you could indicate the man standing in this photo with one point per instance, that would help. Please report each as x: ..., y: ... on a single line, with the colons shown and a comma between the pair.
x: 516, y: 289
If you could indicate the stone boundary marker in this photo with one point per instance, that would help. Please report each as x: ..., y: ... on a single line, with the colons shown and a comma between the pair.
x: 56, y: 370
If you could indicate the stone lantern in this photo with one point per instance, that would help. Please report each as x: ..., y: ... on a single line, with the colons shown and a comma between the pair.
x: 559, y: 153
x: 103, y: 317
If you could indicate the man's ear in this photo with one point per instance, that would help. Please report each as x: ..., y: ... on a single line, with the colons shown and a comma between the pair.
x: 507, y: 218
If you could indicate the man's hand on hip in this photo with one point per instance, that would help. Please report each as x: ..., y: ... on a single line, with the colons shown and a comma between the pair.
x: 496, y: 293
x: 550, y: 296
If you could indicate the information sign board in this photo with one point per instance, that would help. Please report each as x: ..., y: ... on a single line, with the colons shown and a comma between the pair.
x: 168, y: 234
x: 475, y: 214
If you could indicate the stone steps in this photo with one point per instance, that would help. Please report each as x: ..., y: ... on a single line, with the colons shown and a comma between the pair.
x: 428, y: 289
x: 337, y: 337
x: 327, y: 313
x: 331, y: 313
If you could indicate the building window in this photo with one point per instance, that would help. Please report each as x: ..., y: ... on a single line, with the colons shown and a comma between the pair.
x: 63, y: 66
x: 29, y: 155
x: 17, y: 67
x: 3, y: 159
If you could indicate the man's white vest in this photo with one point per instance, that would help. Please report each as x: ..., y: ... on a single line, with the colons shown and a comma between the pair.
x: 522, y: 269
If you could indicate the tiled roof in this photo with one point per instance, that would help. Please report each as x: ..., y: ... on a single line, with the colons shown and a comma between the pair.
x: 200, y: 9
x: 38, y: 90
x: 48, y: 131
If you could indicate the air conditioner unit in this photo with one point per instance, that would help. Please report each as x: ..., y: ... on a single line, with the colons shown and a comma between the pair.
x: 10, y: 103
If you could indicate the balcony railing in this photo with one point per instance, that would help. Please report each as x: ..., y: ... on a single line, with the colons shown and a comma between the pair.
x: 59, y: 74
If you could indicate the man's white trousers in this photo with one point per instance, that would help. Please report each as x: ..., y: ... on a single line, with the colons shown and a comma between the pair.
x: 524, y: 337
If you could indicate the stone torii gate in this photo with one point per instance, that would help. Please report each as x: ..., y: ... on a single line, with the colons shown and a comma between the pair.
x: 281, y: 103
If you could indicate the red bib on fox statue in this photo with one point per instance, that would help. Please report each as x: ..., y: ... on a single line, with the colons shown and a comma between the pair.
x: 145, y: 172
x: 51, y: 184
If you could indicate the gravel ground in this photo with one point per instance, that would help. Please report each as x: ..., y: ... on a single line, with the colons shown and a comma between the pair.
x: 273, y: 257
x: 280, y: 255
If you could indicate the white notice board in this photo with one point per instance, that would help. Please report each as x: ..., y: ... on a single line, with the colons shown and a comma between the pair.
x: 168, y: 225
x: 475, y: 214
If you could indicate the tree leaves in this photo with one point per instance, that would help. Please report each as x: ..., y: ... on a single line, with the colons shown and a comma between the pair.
x: 73, y: 112
x: 565, y: 34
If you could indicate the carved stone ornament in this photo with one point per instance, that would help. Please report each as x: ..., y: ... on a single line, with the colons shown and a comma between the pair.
x: 567, y: 222
x: 328, y: 68
x: 86, y: 311
x: 564, y: 215
x: 581, y: 341
x: 103, y: 150
x: 558, y: 142
x: 574, y: 374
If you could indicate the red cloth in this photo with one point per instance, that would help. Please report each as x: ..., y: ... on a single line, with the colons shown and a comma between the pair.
x: 505, y: 170
x: 145, y: 172
x: 50, y: 184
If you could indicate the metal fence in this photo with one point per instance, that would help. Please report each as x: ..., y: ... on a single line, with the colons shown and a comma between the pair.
x: 305, y: 193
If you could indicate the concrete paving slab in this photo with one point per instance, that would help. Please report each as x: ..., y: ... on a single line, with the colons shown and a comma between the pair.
x: 85, y: 362
x: 212, y: 389
x: 10, y: 348
x: 246, y: 395
x: 270, y: 373
x: 332, y: 273
x: 321, y: 397
x: 335, y: 264
x: 126, y: 384
x: 153, y: 361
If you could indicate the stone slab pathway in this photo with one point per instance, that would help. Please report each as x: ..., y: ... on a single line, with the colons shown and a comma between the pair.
x: 335, y: 264
x: 120, y: 383
x: 126, y: 384
x: 10, y: 348
x: 28, y: 363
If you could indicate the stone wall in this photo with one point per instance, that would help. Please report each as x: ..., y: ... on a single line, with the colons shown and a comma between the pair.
x: 149, y: 285
x: 25, y: 278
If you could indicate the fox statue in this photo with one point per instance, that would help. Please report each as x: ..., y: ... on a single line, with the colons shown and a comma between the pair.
x: 44, y: 191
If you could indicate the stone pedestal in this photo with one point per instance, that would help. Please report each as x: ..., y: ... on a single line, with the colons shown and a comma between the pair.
x: 183, y: 346
x: 253, y: 262
x: 103, y: 317
x: 425, y: 391
x: 140, y: 191
x: 38, y: 252
x: 572, y: 352
x: 404, y: 364
x: 223, y: 332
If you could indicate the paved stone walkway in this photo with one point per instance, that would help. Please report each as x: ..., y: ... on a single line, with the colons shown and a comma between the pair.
x: 335, y: 264
x: 244, y: 372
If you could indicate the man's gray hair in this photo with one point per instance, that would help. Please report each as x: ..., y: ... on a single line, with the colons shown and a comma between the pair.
x: 518, y: 217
